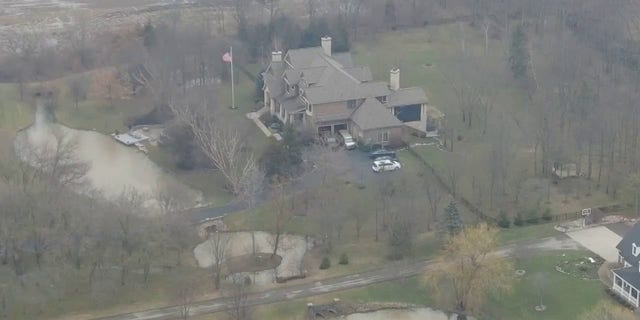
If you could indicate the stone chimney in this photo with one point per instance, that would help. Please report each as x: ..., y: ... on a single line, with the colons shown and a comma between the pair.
x: 276, y: 56
x: 394, y: 79
x: 326, y: 45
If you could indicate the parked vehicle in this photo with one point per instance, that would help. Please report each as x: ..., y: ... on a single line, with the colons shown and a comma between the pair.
x: 382, y: 153
x: 347, y: 140
x: 385, y: 165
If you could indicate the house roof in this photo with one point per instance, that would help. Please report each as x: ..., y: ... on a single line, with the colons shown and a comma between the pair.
x: 630, y: 275
x: 293, y: 76
x: 292, y: 104
x: 625, y: 246
x: 339, y: 89
x: 407, y: 96
x: 361, y: 73
x: 274, y: 84
x: 372, y: 114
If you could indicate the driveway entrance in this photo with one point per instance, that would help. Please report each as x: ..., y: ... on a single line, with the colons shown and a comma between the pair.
x: 600, y: 240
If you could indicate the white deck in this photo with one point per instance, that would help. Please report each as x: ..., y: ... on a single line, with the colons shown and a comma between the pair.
x: 130, y: 138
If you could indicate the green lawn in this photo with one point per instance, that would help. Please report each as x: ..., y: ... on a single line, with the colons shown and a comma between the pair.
x: 14, y: 114
x: 527, y: 233
x: 432, y: 59
x: 565, y: 297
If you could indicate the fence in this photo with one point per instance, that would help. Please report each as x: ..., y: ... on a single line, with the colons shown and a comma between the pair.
x: 461, y: 199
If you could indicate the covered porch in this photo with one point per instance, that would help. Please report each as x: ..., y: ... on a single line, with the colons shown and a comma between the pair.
x: 624, y: 284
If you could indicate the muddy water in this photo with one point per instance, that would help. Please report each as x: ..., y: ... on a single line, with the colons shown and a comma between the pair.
x: 292, y: 249
x: 114, y: 168
x: 409, y: 314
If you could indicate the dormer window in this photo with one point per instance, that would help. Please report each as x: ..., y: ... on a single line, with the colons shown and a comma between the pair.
x: 382, y: 99
x: 635, y: 250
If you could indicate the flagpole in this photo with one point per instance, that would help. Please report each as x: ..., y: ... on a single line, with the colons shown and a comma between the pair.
x: 233, y: 91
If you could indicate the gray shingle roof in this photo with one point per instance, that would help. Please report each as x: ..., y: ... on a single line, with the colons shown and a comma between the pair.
x: 361, y: 73
x: 274, y: 84
x: 372, y: 115
x: 407, y: 96
x: 293, y: 76
x: 626, y: 245
x: 339, y: 89
x: 292, y: 104
x: 630, y: 275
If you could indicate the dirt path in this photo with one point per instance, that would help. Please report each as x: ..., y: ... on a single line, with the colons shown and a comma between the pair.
x: 392, y: 271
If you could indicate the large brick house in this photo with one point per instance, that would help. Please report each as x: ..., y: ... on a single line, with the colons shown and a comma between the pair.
x: 325, y: 91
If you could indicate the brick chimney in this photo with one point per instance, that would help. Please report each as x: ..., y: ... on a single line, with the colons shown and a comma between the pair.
x: 276, y: 56
x: 394, y: 79
x: 326, y: 45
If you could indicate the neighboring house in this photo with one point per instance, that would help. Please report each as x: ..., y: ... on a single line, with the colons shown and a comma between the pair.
x: 626, y: 280
x: 325, y: 91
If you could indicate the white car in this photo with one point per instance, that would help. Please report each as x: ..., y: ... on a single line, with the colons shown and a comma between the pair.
x: 385, y: 165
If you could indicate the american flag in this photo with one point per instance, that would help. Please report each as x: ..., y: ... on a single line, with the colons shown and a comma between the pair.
x: 227, y: 57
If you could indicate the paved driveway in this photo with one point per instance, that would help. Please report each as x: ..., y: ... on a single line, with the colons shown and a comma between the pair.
x: 601, y: 240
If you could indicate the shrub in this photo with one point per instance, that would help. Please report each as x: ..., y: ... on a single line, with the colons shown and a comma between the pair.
x: 503, y: 220
x: 533, y: 217
x: 547, y: 216
x: 344, y: 259
x: 518, y: 221
x: 325, y: 264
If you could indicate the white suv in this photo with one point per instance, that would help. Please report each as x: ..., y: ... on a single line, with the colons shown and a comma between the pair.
x: 385, y: 165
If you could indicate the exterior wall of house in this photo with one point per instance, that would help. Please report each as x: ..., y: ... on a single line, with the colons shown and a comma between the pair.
x: 267, y: 99
x: 334, y: 108
x: 626, y: 290
x: 373, y: 136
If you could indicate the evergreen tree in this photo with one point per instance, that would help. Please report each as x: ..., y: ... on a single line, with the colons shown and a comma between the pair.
x: 317, y: 29
x: 149, y: 35
x: 519, y: 58
x: 452, y: 220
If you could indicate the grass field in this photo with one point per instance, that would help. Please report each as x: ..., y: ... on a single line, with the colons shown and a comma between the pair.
x: 14, y: 114
x: 432, y: 58
x: 564, y: 296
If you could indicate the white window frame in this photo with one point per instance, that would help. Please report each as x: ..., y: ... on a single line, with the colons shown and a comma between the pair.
x: 383, y: 136
x: 635, y: 250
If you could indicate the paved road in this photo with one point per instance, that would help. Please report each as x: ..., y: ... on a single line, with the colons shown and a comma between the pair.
x: 390, y: 272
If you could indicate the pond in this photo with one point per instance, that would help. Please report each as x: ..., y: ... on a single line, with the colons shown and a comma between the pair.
x: 113, y: 168
x: 291, y: 249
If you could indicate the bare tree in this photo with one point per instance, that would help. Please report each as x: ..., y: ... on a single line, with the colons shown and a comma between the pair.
x: 78, y: 87
x: 57, y: 161
x: 240, y: 308
x: 223, y: 146
x: 434, y: 197
x: 283, y: 211
x: 172, y: 196
x: 219, y: 244
x: 252, y: 186
x: 184, y: 294
x: 359, y: 212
